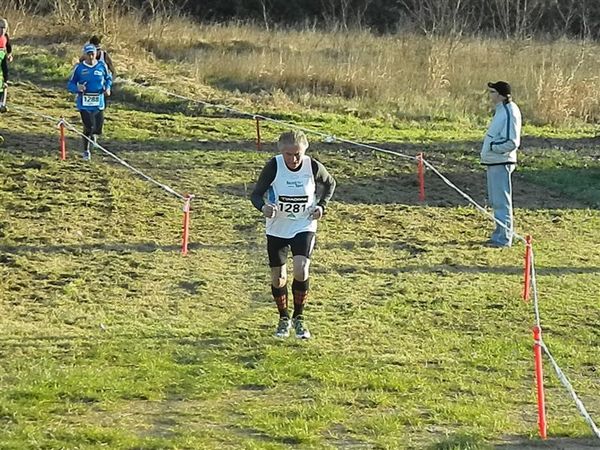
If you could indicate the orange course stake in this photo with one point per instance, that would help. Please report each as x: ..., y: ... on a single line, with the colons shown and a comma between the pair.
x: 186, y: 224
x: 63, y: 144
x: 421, y: 176
x: 539, y: 376
x: 258, y: 143
x: 527, y: 269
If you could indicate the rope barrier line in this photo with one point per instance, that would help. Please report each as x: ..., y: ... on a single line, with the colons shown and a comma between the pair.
x: 470, y: 200
x: 565, y: 381
x: 111, y: 154
x: 63, y: 123
x: 126, y: 164
x: 326, y: 135
x: 267, y: 119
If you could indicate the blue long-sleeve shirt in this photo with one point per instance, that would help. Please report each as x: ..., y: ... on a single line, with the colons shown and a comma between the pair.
x: 97, y: 80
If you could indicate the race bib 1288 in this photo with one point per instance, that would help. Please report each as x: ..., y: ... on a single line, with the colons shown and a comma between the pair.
x: 90, y: 100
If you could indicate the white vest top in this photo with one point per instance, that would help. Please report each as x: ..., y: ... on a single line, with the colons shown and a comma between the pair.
x: 294, y: 195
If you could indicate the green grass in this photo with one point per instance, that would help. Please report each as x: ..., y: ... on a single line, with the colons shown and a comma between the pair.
x: 111, y: 339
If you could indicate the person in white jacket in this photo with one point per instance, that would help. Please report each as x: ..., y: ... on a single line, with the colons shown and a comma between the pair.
x: 499, y: 155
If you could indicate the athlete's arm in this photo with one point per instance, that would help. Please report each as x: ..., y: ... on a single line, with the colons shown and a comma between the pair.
x: 264, y: 182
x: 323, y: 178
x: 72, y: 86
x: 8, y: 45
x: 109, y: 63
x: 108, y: 80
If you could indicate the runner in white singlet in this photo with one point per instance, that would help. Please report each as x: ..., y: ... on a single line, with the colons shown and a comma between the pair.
x: 286, y: 194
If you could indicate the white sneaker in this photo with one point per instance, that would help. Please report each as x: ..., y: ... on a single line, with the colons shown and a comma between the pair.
x: 301, y: 329
x: 283, y: 327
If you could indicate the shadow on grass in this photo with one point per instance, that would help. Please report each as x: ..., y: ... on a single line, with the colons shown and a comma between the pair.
x: 184, y: 52
x: 51, y: 70
x: 46, y: 144
x: 140, y: 247
x: 105, y: 334
x: 558, y: 443
x: 435, y: 152
x: 447, y: 269
x: 149, y: 247
x: 402, y: 188
x: 465, y: 442
x: 459, y: 442
x: 568, y: 188
x: 152, y: 101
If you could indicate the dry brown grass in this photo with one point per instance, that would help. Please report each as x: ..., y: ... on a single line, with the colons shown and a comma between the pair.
x: 411, y: 76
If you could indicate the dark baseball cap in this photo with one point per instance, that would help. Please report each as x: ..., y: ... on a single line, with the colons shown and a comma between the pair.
x: 502, y: 87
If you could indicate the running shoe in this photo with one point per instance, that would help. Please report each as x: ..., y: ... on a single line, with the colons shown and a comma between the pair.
x: 283, y: 327
x: 300, y: 328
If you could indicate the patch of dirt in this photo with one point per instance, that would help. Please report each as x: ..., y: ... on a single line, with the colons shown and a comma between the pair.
x: 562, y: 443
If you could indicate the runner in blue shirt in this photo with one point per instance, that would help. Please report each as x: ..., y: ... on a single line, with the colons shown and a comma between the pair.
x: 91, y: 81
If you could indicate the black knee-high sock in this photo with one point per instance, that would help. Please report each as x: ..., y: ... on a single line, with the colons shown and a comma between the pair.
x: 300, y: 291
x: 280, y: 295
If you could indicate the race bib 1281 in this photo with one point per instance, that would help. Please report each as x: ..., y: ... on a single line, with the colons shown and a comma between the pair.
x: 293, y: 206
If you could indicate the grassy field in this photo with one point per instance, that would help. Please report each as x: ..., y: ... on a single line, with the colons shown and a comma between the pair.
x: 111, y: 339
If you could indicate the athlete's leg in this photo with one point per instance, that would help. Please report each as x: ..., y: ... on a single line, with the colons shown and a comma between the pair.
x: 88, y: 125
x: 98, y: 122
x: 302, y: 246
x: 279, y: 276
x: 280, y: 295
x: 88, y: 122
x: 279, y: 289
x: 277, y: 249
x: 300, y: 284
x: 3, y: 97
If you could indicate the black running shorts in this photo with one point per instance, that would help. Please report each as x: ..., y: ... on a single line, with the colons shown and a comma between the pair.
x: 302, y: 244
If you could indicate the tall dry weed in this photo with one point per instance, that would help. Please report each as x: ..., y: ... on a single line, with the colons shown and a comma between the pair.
x: 404, y: 75
x: 562, y: 95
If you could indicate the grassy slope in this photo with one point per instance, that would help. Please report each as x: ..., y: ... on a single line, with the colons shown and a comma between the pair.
x: 111, y: 338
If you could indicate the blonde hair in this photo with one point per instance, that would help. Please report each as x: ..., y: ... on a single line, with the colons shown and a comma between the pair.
x: 292, y: 138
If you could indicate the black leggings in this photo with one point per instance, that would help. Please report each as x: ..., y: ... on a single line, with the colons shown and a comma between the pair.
x: 92, y: 122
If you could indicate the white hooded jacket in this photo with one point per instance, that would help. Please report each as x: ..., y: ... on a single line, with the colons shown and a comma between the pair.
x: 503, y: 136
